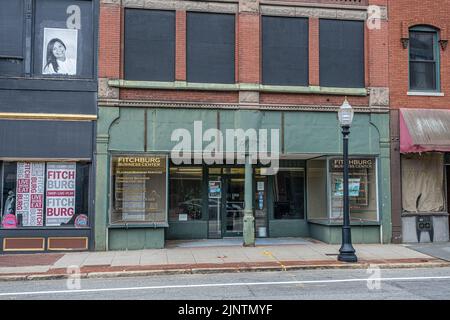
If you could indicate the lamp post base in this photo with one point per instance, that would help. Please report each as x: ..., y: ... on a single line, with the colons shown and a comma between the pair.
x: 347, y: 256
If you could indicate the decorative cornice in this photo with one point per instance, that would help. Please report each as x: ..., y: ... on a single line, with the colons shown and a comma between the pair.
x: 249, y: 106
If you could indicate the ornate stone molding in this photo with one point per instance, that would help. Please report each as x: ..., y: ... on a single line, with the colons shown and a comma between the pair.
x: 105, y: 91
x: 217, y: 6
x: 379, y: 97
x: 252, y: 106
x: 319, y: 12
x: 249, y: 6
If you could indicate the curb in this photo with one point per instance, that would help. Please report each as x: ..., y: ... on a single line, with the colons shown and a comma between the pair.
x: 143, y: 273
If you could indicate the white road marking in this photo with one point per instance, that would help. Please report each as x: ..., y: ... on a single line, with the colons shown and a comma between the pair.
x: 211, y: 285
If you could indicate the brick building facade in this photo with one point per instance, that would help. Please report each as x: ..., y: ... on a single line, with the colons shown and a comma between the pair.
x: 419, y: 86
x: 268, y: 65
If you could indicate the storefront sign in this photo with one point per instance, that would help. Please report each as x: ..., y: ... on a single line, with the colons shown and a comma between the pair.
x: 60, y: 193
x: 30, y: 193
x: 214, y: 190
x: 359, y: 163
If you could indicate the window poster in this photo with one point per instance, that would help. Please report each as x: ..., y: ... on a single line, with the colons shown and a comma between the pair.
x: 139, y: 193
x: 30, y: 193
x: 60, y: 51
x: 60, y: 193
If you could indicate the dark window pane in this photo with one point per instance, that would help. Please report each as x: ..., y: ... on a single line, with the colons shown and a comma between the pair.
x: 285, y: 51
x: 422, y: 75
x: 289, y: 194
x: 149, y: 45
x: 341, y: 53
x: 421, y: 46
x: 185, y: 194
x: 11, y: 37
x: 210, y: 47
x: 11, y: 27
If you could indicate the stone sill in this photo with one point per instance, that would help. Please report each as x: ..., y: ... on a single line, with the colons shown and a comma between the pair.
x: 138, y: 225
x: 425, y: 94
x: 183, y: 85
x: 332, y: 223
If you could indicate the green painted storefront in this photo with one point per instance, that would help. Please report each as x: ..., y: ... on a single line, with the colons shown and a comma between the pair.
x: 305, y: 135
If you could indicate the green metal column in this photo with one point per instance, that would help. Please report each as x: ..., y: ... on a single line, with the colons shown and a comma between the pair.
x: 249, y: 226
x: 105, y: 119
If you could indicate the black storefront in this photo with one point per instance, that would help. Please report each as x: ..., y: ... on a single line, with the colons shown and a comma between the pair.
x: 47, y: 123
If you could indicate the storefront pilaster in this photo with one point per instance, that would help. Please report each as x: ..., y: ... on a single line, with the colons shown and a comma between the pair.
x: 381, y: 122
x: 249, y: 227
x: 105, y: 119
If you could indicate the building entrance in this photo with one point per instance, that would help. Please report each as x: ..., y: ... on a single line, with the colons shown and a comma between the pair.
x: 226, y: 202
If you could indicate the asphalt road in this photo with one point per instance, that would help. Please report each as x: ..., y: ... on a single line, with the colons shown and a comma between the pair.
x: 421, y: 283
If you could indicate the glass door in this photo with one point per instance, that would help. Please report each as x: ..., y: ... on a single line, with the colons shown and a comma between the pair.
x: 233, y: 206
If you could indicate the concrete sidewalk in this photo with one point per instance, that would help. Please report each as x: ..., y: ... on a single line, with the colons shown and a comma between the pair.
x: 208, y: 259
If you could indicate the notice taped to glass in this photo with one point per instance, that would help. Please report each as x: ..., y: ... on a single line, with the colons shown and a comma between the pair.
x: 139, y: 193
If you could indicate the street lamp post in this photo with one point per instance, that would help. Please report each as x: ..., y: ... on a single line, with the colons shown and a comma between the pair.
x: 346, y: 252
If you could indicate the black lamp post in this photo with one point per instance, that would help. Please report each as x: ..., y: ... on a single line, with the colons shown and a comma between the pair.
x: 346, y: 252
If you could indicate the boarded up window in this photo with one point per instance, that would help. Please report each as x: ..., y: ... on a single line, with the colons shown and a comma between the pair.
x: 285, y: 51
x: 11, y: 37
x: 149, y: 45
x: 210, y: 47
x: 341, y: 53
x: 67, y: 27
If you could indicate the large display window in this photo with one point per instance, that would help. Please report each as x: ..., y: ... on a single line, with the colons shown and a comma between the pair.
x: 139, y: 189
x: 325, y: 189
x: 44, y: 194
x: 185, y: 196
x: 362, y: 185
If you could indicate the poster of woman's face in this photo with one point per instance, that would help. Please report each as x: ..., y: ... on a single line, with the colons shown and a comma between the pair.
x: 60, y: 51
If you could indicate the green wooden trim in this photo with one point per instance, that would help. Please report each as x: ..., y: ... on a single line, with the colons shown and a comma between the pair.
x: 183, y: 85
x: 137, y: 225
x: 327, y: 222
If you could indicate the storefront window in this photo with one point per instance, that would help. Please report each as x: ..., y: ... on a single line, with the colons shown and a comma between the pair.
x: 289, y: 193
x: 317, y: 189
x: 185, y: 195
x: 44, y: 194
x: 362, y: 189
x: 423, y: 182
x: 139, y: 189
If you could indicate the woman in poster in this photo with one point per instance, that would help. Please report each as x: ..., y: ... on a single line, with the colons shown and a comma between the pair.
x: 57, y: 62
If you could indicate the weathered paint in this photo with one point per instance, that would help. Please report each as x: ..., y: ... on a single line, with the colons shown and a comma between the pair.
x: 315, y: 133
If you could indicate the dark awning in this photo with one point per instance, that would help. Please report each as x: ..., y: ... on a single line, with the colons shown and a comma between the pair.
x: 424, y: 130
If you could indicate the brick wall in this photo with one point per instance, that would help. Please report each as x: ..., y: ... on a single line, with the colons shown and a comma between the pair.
x: 405, y: 13
x: 248, y: 59
x: 109, y: 41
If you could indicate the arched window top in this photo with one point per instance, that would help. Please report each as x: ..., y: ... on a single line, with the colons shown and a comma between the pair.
x: 424, y: 28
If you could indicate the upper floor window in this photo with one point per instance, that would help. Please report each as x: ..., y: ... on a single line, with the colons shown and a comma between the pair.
x: 11, y: 38
x: 341, y: 53
x: 423, y: 59
x: 149, y: 45
x: 210, y: 53
x: 285, y: 51
x: 49, y: 38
